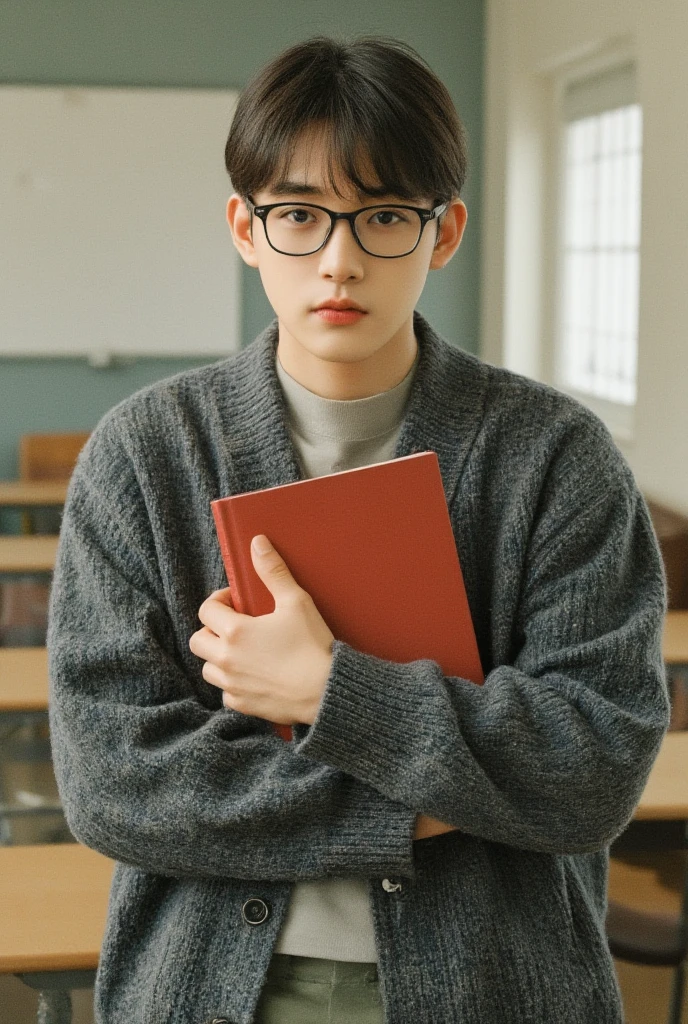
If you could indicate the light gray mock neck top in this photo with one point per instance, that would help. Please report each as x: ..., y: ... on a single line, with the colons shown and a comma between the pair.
x: 332, y: 434
x: 331, y: 917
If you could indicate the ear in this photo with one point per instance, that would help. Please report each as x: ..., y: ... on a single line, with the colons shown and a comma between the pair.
x: 239, y: 220
x: 452, y: 224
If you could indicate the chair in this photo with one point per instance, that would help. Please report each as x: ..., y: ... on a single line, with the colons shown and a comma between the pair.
x: 23, y: 623
x: 49, y: 456
x: 652, y: 934
x: 671, y: 528
x: 45, y: 458
x: 23, y: 610
x: 30, y: 808
x: 24, y: 598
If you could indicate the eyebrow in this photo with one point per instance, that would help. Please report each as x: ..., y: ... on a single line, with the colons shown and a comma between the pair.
x: 301, y: 188
x: 294, y: 188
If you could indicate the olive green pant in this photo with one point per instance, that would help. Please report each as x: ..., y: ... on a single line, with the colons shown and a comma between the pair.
x: 307, y: 990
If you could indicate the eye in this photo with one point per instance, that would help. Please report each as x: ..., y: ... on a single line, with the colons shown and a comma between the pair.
x: 388, y: 218
x: 297, y: 215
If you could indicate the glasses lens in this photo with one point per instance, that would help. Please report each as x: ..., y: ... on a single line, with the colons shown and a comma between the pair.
x: 298, y: 229
x: 388, y: 230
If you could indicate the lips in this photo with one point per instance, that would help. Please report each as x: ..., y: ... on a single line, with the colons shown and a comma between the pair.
x: 340, y: 311
x: 339, y: 316
x: 340, y: 304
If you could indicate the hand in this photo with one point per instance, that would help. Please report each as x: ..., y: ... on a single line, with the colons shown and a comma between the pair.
x: 426, y: 827
x: 272, y: 666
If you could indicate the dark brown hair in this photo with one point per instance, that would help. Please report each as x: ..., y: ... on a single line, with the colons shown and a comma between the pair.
x: 380, y: 104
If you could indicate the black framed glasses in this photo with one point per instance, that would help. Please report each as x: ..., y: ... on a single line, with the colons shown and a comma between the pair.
x: 389, y: 230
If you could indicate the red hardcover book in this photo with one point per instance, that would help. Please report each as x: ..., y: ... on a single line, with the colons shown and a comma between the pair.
x: 374, y: 548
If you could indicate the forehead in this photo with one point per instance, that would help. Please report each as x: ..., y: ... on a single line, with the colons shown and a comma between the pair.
x: 313, y: 170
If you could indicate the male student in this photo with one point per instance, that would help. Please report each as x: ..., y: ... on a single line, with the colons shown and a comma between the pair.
x: 424, y: 850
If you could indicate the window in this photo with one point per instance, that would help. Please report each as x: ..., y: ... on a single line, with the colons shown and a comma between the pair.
x: 598, y: 317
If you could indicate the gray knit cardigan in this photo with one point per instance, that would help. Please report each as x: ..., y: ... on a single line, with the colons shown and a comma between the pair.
x: 204, y: 808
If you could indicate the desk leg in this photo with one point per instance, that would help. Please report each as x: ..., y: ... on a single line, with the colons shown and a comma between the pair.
x: 679, y: 973
x: 54, y: 1008
x: 53, y: 987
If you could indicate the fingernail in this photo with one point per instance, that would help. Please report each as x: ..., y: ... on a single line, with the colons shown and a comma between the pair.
x: 261, y: 544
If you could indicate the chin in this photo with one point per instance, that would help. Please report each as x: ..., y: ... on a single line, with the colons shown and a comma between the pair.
x: 343, y: 347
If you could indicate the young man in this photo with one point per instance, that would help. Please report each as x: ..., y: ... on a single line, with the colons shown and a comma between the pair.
x: 442, y: 845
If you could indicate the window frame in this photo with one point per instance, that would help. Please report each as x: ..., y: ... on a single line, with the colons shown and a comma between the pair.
x: 619, y: 417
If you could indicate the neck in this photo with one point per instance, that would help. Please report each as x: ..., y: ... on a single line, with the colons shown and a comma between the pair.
x: 331, y: 372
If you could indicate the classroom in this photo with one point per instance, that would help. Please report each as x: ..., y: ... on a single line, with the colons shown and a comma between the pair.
x: 119, y: 272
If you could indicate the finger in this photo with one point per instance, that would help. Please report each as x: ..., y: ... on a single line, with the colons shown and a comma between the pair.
x: 215, y: 676
x: 228, y: 701
x: 207, y: 645
x: 272, y: 569
x: 217, y: 615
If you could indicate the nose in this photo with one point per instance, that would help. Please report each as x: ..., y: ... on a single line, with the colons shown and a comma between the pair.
x: 341, y: 259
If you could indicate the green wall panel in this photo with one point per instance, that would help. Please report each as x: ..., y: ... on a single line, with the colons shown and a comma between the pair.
x: 220, y: 44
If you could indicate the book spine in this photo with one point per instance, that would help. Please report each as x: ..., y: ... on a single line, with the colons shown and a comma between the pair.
x: 222, y: 513
x: 237, y: 576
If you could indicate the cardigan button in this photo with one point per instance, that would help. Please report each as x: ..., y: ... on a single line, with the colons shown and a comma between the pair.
x: 391, y: 885
x: 255, y: 911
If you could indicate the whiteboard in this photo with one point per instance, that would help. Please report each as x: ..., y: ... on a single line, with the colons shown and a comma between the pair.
x: 113, y: 238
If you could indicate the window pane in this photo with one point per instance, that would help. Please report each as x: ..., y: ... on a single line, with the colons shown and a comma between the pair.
x: 601, y: 241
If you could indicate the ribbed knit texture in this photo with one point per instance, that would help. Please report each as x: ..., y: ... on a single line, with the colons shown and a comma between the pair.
x: 331, y: 918
x: 539, y: 769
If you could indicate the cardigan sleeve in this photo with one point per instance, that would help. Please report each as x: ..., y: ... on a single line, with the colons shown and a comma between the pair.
x: 149, y: 774
x: 551, y: 754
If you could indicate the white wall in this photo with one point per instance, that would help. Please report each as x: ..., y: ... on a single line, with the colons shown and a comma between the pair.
x: 529, y: 42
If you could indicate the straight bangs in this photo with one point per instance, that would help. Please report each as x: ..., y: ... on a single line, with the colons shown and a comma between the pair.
x: 389, y: 125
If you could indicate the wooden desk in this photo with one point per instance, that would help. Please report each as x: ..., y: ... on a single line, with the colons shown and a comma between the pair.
x: 675, y: 641
x: 28, y: 554
x: 23, y: 699
x: 54, y: 903
x: 25, y: 494
x: 23, y: 679
x: 665, y: 796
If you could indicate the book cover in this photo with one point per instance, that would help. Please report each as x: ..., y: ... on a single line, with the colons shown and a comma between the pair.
x: 374, y: 548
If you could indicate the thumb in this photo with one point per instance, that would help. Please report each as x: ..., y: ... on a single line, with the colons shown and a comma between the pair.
x: 271, y: 567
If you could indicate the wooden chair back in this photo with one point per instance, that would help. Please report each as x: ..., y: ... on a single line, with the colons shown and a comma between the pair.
x: 672, y: 533
x: 49, y: 456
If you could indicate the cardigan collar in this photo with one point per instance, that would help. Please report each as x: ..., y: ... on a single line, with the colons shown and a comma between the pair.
x: 443, y: 413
